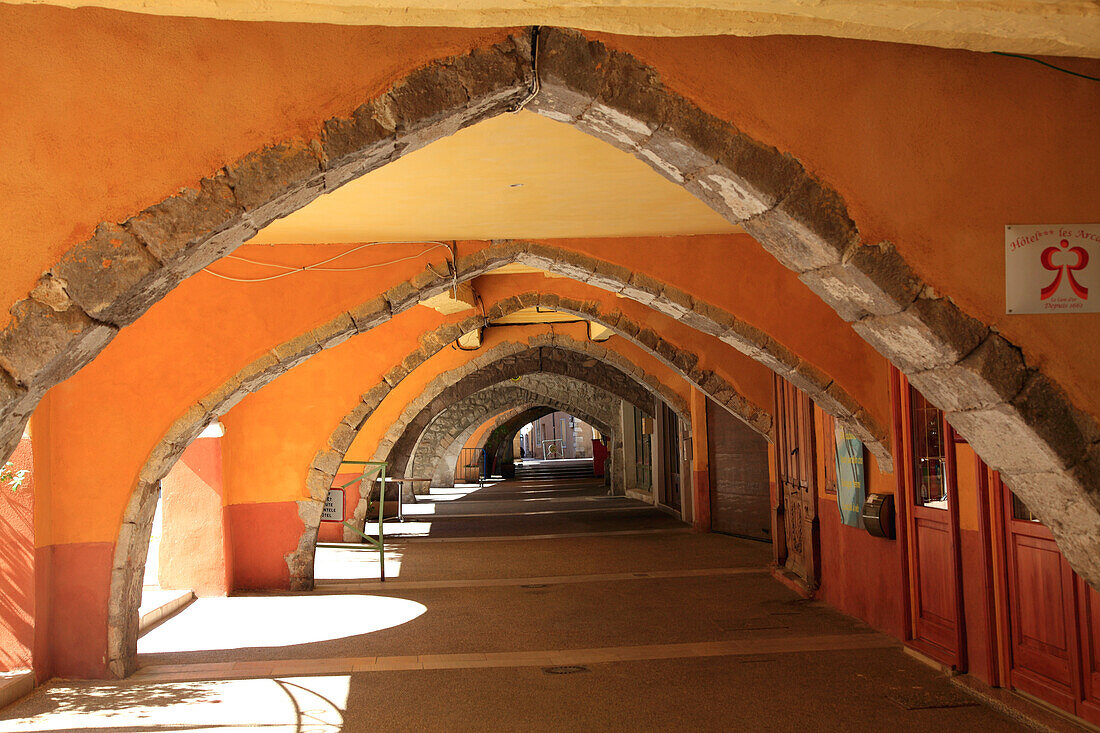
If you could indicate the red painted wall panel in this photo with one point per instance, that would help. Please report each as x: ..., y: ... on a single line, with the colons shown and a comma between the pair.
x: 260, y: 538
x: 79, y: 586
x: 860, y: 574
x: 17, y: 582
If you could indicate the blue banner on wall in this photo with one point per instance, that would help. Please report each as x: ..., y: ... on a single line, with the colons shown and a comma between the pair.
x: 850, y: 491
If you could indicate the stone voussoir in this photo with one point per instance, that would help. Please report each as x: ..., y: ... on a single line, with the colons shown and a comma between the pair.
x: 41, y: 345
x: 808, y: 230
x: 993, y: 373
x: 873, y: 280
x: 112, y: 276
x: 930, y: 333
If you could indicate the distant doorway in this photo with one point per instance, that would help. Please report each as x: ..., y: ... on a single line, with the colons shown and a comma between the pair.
x: 669, y: 445
x: 740, y: 503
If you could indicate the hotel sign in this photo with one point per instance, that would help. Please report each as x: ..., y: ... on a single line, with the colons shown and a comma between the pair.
x: 1052, y: 268
x: 333, y: 510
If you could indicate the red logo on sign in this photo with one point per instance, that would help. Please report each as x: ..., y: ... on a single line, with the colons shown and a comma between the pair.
x: 1082, y: 261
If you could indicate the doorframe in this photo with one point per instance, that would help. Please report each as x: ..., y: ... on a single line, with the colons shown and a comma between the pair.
x: 1076, y: 621
x: 904, y: 499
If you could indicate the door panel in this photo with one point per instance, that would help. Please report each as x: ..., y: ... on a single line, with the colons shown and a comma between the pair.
x: 740, y: 503
x: 928, y: 488
x: 1090, y: 633
x: 796, y: 476
x: 1042, y: 633
x: 935, y: 602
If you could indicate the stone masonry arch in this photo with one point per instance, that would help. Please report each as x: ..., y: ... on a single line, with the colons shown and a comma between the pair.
x: 130, y: 550
x: 541, y: 363
x: 539, y: 359
x: 1017, y: 419
x: 510, y: 360
x: 456, y: 423
x: 514, y: 358
x: 506, y: 426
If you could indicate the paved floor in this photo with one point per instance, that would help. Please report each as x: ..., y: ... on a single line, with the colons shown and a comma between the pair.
x: 626, y: 622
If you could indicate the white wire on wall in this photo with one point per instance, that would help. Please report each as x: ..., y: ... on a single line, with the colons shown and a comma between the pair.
x: 320, y: 266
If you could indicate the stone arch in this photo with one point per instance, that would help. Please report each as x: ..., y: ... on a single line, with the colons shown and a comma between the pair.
x: 539, y: 362
x: 1017, y: 419
x: 506, y: 427
x: 570, y: 362
x: 450, y: 455
x: 515, y: 358
x: 457, y: 422
x: 130, y: 553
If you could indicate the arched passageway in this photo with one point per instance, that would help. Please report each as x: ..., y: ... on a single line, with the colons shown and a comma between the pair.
x: 1017, y: 419
x: 438, y: 443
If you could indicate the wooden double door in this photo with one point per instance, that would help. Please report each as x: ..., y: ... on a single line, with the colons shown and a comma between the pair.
x: 799, y: 549
x: 1053, y: 615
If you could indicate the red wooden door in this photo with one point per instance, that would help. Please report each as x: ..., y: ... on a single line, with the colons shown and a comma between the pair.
x: 1054, y: 617
x: 932, y: 535
x: 795, y: 471
x: 1089, y: 615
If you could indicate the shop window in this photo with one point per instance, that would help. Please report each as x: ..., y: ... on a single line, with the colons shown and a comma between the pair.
x: 929, y: 463
x: 1020, y: 511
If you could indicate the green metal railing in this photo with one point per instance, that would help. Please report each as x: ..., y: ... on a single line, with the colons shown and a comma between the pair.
x: 370, y: 468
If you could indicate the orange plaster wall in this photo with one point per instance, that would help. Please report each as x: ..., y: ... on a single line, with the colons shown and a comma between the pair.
x: 735, y: 273
x: 860, y: 574
x: 935, y: 150
x: 106, y: 113
x: 477, y: 440
x: 188, y: 344
x: 273, y: 434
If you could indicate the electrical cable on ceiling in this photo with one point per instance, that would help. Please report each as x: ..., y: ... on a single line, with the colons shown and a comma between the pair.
x: 1044, y: 63
x: 535, y: 84
x: 319, y: 266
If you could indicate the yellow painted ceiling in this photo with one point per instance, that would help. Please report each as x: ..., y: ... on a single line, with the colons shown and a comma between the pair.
x: 1063, y: 27
x: 516, y: 176
x: 535, y: 314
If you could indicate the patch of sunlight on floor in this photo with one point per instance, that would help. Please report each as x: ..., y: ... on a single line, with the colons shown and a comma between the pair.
x: 347, y: 562
x: 297, y: 704
x: 416, y: 510
x: 242, y: 622
x: 401, y: 529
